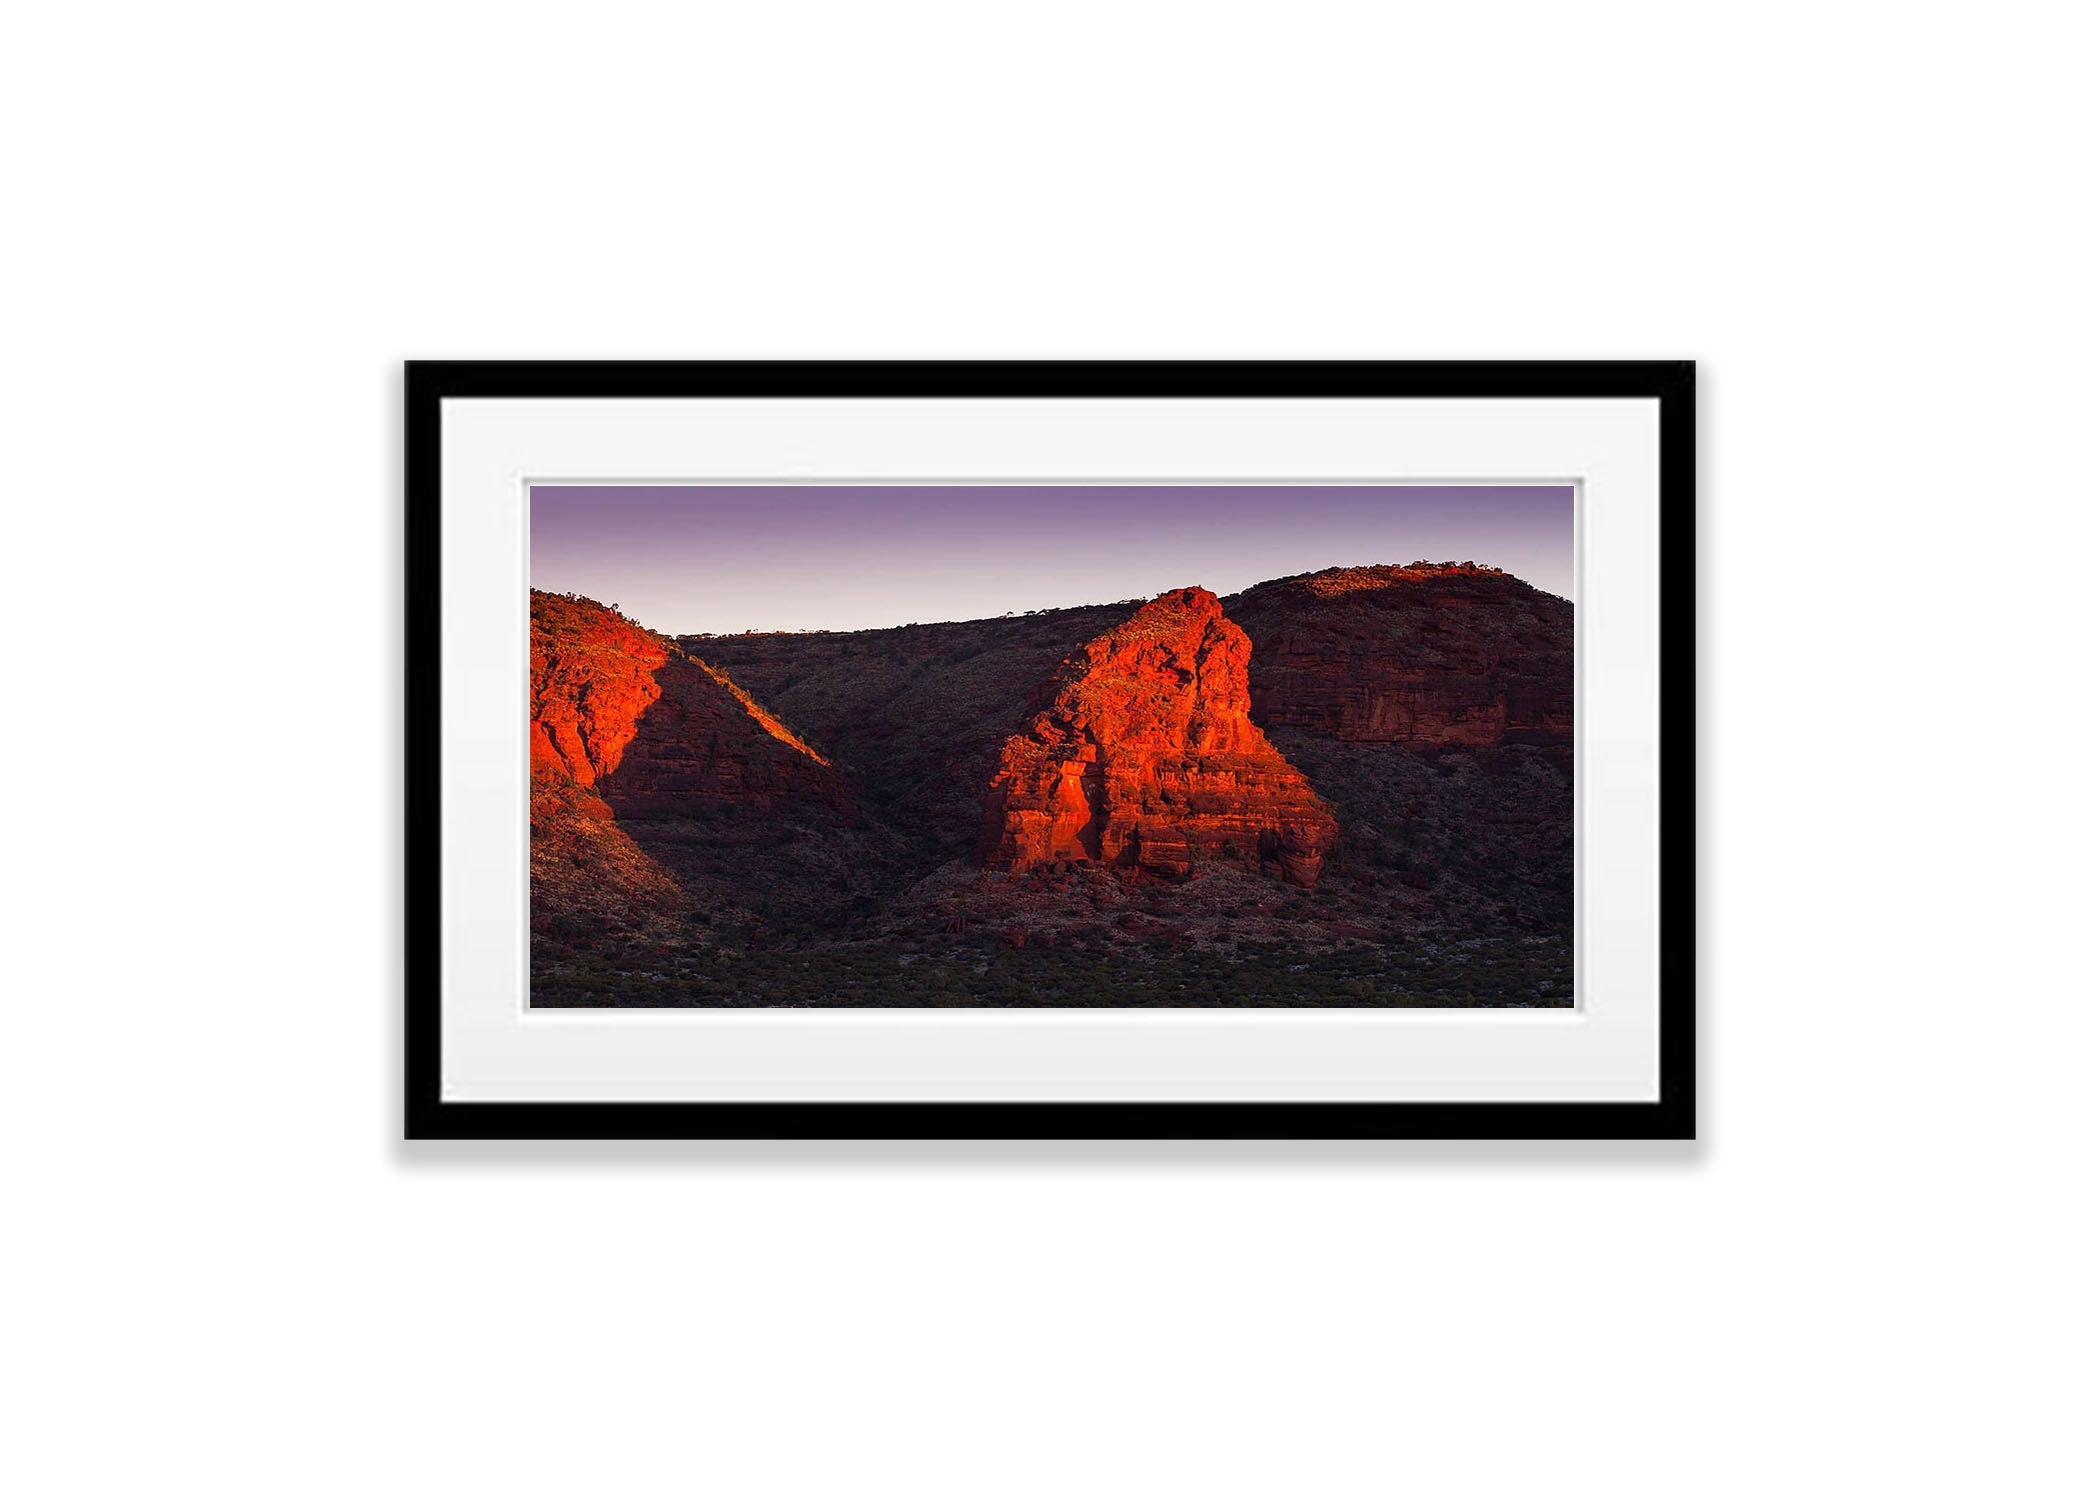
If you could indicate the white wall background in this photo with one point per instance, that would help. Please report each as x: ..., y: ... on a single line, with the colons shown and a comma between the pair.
x: 226, y: 225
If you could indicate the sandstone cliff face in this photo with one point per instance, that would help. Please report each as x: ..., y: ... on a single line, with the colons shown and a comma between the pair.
x: 654, y: 731
x: 593, y: 676
x: 1142, y: 755
x: 1426, y: 656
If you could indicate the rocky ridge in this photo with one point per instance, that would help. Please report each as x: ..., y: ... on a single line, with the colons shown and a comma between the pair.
x: 1427, y: 655
x: 658, y: 776
x: 719, y: 856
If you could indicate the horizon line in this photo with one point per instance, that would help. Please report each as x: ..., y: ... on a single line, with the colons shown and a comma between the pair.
x: 1135, y: 601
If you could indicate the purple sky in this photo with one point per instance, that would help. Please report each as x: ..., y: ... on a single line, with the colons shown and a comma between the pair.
x: 693, y: 558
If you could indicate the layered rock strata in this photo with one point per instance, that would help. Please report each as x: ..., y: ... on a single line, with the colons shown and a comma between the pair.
x: 1141, y: 755
x: 1427, y: 656
x: 593, y: 676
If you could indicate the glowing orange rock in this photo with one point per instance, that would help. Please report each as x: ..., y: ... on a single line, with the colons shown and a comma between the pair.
x: 610, y: 697
x: 593, y: 677
x: 1144, y: 757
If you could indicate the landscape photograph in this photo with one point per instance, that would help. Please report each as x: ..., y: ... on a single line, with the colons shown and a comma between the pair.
x: 1074, y: 745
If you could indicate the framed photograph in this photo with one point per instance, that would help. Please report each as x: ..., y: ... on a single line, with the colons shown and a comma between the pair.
x: 999, y: 750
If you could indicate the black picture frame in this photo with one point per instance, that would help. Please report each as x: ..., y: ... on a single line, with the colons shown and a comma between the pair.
x: 1671, y: 1116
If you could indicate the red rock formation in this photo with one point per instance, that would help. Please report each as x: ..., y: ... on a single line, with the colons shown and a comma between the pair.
x: 1427, y: 656
x: 652, y: 729
x: 593, y: 676
x: 654, y: 776
x: 1143, y: 756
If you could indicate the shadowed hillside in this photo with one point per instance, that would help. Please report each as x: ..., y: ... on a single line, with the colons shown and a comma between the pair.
x: 1434, y: 703
x: 919, y: 711
x: 656, y: 773
x: 1426, y: 656
x: 874, y: 816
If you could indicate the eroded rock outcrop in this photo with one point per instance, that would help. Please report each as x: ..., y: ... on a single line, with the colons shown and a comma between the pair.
x: 1141, y: 755
x: 1426, y: 656
x: 653, y: 730
x: 659, y: 785
x: 593, y: 676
